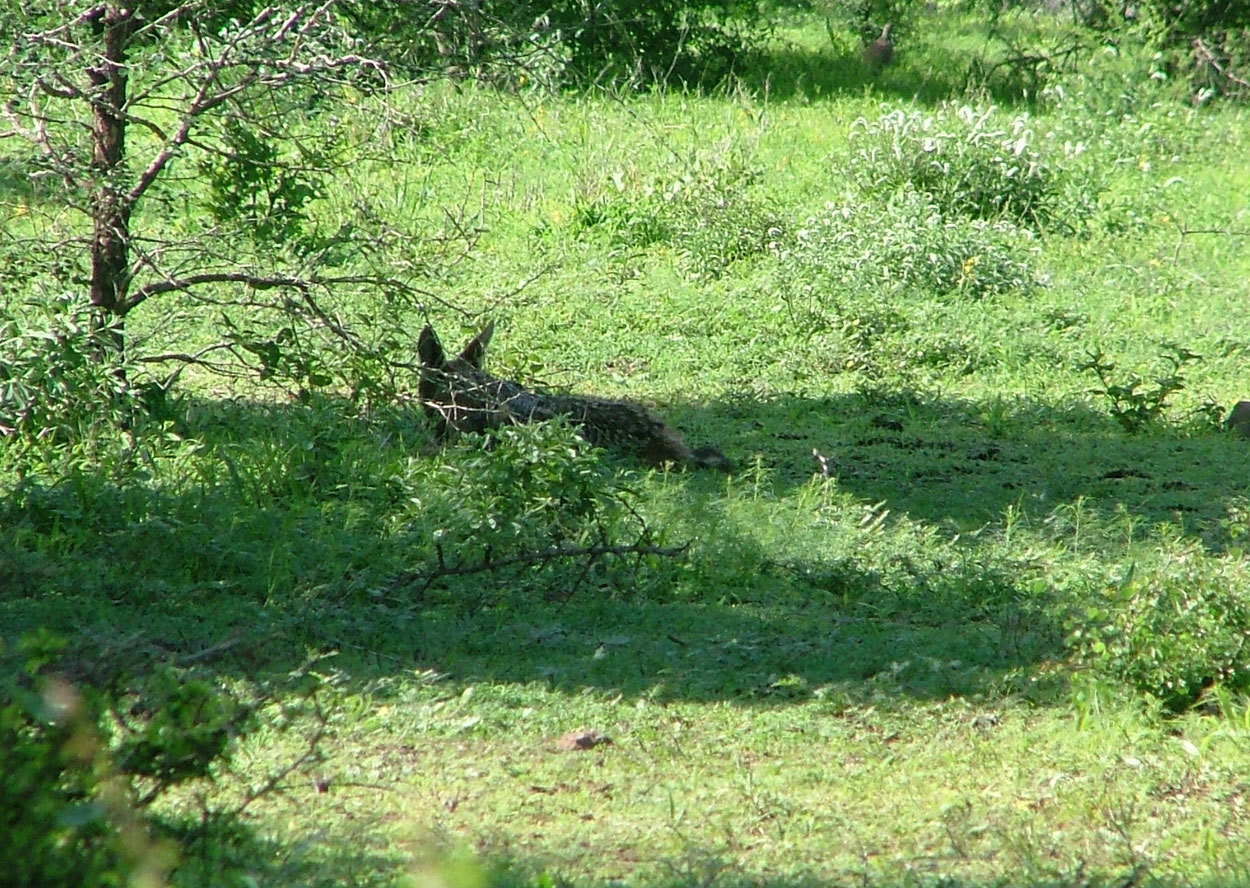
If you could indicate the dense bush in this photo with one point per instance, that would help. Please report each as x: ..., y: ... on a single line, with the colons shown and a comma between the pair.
x: 81, y: 765
x: 972, y: 163
x: 58, y: 815
x: 94, y: 733
x: 1204, y: 44
x: 533, y: 503
x: 846, y: 268
x: 865, y: 18
x: 54, y: 389
x: 1218, y: 64
x: 904, y: 243
x: 1171, y: 632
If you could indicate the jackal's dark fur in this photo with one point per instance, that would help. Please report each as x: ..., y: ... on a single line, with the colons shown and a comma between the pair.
x: 462, y: 396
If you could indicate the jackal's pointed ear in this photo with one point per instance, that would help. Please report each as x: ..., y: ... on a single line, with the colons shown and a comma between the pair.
x: 474, y: 353
x: 429, y: 349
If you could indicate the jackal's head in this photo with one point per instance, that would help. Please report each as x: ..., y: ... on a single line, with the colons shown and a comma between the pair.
x: 454, y: 391
x: 431, y: 354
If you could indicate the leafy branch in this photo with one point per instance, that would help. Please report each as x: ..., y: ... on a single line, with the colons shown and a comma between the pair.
x: 1135, y: 401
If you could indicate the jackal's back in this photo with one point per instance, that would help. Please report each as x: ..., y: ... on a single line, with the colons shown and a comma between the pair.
x: 462, y: 396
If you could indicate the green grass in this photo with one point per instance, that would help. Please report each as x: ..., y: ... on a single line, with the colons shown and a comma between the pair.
x: 883, y: 677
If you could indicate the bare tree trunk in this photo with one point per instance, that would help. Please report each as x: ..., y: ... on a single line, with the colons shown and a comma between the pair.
x: 110, y: 207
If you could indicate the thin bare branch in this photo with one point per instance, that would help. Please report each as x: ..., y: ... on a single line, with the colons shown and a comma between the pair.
x: 185, y: 358
x: 256, y: 281
x: 508, y: 297
x: 1205, y: 55
x: 65, y: 89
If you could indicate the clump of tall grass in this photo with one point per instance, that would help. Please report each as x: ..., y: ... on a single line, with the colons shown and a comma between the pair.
x: 855, y: 268
x: 973, y: 163
x: 706, y: 210
x: 1172, y: 631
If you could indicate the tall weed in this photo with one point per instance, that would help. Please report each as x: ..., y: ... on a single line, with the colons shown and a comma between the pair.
x: 1135, y: 401
x: 1172, y: 631
x: 705, y: 210
x: 972, y: 163
x: 847, y: 265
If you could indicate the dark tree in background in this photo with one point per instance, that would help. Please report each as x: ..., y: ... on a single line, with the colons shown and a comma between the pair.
x: 560, y: 42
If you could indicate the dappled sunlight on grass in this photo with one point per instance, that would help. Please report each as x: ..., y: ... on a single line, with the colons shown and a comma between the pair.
x: 967, y: 612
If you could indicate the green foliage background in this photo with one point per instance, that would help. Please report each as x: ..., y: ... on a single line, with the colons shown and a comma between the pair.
x: 972, y: 609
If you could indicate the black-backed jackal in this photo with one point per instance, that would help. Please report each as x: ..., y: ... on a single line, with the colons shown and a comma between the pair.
x: 461, y: 395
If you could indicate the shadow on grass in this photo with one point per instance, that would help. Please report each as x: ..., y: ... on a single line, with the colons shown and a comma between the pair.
x: 235, y: 853
x: 16, y: 184
x: 962, y: 464
x: 792, y: 72
x: 920, y: 73
x: 266, y: 567
x: 287, y: 541
x: 708, y: 867
x: 506, y: 862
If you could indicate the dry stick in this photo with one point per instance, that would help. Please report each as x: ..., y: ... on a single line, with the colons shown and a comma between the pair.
x: 506, y: 298
x: 1207, y: 56
x: 528, y: 559
x: 211, y: 651
x: 273, y: 783
x: 342, y: 642
x: 1183, y: 232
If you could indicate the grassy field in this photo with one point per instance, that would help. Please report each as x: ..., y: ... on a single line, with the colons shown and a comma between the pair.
x: 998, y: 641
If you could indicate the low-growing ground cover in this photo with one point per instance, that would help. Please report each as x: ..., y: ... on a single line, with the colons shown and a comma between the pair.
x: 971, y: 609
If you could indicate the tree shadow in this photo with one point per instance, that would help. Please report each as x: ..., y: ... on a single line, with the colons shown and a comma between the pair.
x: 335, y: 860
x: 235, y: 851
x: 225, y: 565
x: 920, y: 72
x: 501, y: 861
x: 287, y: 541
x: 788, y: 73
x: 962, y: 464
x: 275, y: 548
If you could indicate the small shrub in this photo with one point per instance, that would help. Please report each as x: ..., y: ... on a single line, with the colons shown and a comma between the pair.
x: 68, y: 815
x: 706, y: 212
x: 1135, y: 402
x: 850, y: 269
x: 905, y: 244
x: 865, y: 18
x: 528, y: 485
x: 177, y: 726
x: 647, y: 41
x: 54, y: 828
x: 716, y: 224
x: 92, y: 736
x: 54, y: 389
x: 1172, y: 633
x: 510, y: 503
x: 971, y: 164
x: 620, y: 216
